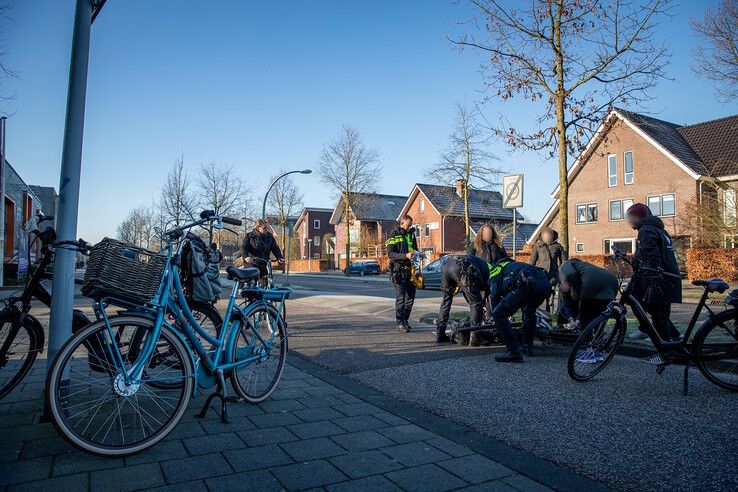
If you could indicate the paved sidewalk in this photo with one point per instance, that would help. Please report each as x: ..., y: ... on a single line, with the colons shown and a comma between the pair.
x: 310, y: 435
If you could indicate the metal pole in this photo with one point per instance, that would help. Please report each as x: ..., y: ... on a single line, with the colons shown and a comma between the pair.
x: 515, y: 226
x: 3, y: 122
x: 60, y: 326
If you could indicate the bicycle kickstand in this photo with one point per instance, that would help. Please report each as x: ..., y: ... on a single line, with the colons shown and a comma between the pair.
x: 219, y: 393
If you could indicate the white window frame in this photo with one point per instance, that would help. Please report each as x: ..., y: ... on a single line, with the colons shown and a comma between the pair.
x: 661, y: 196
x: 730, y: 219
x: 579, y: 247
x: 610, y: 175
x: 731, y: 241
x: 576, y: 212
x: 316, y: 224
x: 421, y: 205
x: 632, y: 241
x: 623, y: 209
x: 625, y: 171
x: 316, y: 241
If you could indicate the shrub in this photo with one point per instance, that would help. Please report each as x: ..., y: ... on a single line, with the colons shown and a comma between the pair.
x: 712, y: 262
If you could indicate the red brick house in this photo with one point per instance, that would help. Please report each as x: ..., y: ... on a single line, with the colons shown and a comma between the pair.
x: 311, y: 228
x: 372, y: 219
x: 677, y: 170
x: 438, y: 212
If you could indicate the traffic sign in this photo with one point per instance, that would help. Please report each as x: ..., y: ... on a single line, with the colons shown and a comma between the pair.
x: 512, y: 191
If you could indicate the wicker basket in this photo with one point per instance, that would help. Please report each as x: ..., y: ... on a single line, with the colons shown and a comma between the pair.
x: 119, y: 270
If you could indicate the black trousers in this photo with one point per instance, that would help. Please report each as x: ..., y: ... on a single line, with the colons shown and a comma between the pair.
x: 404, y: 300
x: 661, y: 317
x: 476, y: 305
x: 527, y: 301
x: 589, y: 309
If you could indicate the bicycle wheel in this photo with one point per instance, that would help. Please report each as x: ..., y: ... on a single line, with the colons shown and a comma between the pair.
x: 93, y: 407
x: 19, y: 347
x: 716, y: 349
x: 254, y: 382
x: 595, y: 347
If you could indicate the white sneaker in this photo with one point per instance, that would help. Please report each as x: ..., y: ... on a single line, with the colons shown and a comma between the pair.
x: 638, y: 335
x: 654, y: 360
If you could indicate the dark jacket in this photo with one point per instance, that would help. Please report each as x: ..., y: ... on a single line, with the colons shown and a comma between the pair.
x: 399, y: 244
x: 549, y: 257
x: 456, y: 267
x: 260, y: 246
x: 490, y: 252
x: 506, y: 275
x: 654, y: 249
x: 588, y: 281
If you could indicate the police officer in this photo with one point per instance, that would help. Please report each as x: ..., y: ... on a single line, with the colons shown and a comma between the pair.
x: 514, y: 285
x: 470, y: 274
x: 400, y: 248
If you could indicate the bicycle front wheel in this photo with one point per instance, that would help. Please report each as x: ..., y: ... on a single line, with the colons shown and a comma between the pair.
x: 19, y: 347
x: 595, y: 347
x: 261, y: 338
x: 93, y: 406
x: 716, y: 349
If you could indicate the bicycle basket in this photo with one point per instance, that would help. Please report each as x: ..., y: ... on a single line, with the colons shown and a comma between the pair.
x: 119, y: 270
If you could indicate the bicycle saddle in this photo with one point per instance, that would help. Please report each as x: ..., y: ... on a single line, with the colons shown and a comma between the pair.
x: 242, y: 274
x: 712, y: 285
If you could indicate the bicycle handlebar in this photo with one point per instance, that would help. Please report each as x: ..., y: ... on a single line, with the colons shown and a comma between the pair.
x: 206, y: 216
x: 636, y: 265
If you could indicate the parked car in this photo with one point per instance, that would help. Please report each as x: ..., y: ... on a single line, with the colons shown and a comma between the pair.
x: 365, y: 267
x: 432, y: 273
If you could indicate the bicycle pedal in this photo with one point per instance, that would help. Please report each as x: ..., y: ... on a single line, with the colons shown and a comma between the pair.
x: 660, y: 369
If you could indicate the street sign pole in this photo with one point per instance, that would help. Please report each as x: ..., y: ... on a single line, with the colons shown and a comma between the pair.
x: 515, y: 226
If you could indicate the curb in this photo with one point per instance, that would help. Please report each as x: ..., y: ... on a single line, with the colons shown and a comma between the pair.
x: 538, y: 469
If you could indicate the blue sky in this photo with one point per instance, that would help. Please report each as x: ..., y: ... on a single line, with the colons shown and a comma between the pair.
x: 261, y: 86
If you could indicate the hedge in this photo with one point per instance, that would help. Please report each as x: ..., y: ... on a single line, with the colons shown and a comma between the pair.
x: 311, y: 265
x: 711, y: 263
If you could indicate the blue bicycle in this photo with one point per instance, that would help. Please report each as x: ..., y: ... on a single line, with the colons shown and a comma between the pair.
x: 122, y: 384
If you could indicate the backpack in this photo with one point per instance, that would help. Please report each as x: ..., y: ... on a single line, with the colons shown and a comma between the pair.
x: 201, y: 275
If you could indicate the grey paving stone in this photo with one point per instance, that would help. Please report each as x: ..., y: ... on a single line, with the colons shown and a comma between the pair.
x: 305, y: 475
x: 365, y: 463
x: 315, y: 429
x: 320, y: 401
x: 448, y: 446
x: 476, y: 468
x: 362, y: 441
x: 248, y: 459
x: 406, y: 433
x: 215, y: 426
x: 44, y: 447
x: 192, y: 486
x: 244, y: 410
x: 273, y: 406
x: 164, y: 451
x: 312, y: 449
x: 187, y: 429
x: 354, y: 409
x: 426, y: 478
x: 323, y: 390
x: 128, y: 478
x: 293, y: 383
x: 30, y: 432
x: 525, y: 484
x: 319, y: 413
x: 195, y: 468
x: 377, y: 482
x: 390, y: 418
x: 415, y: 453
x: 213, y: 444
x: 348, y: 398
x: 24, y: 470
x: 496, y: 486
x: 360, y: 423
x: 78, y: 481
x: 272, y: 435
x: 274, y: 420
x: 260, y: 480
x: 289, y: 394
x: 11, y: 451
x: 77, y: 461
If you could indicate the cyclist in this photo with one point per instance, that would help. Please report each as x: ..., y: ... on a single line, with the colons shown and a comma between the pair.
x: 400, y: 248
x: 487, y: 245
x: 260, y: 243
x: 469, y: 274
x: 586, y: 290
x: 516, y: 286
x: 654, y: 250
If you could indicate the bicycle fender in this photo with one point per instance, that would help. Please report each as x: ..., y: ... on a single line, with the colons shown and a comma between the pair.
x: 38, y: 331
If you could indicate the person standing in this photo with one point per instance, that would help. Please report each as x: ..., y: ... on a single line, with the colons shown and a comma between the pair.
x: 401, y: 245
x: 654, y: 249
x: 548, y: 254
x: 487, y: 245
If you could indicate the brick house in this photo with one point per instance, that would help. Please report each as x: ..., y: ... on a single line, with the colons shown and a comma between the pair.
x: 311, y: 227
x: 372, y: 219
x: 671, y: 168
x: 438, y: 212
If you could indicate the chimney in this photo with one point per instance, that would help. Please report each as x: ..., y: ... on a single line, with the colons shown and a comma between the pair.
x: 460, y: 183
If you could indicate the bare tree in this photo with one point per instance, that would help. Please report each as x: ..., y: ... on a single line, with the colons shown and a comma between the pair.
x: 717, y: 57
x: 285, y: 200
x: 349, y: 167
x: 712, y: 217
x: 222, y: 190
x: 467, y: 159
x: 138, y: 228
x: 5, y: 19
x: 574, y: 59
x: 177, y: 200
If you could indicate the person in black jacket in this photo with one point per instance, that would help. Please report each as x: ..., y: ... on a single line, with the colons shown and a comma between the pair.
x: 400, y: 248
x: 487, y: 245
x: 514, y: 285
x: 654, y: 249
x: 470, y: 274
x: 260, y: 243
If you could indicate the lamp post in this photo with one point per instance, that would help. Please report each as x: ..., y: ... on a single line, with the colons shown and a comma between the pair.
x: 264, y: 204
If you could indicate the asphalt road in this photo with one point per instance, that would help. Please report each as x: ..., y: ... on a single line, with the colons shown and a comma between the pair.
x: 379, y: 286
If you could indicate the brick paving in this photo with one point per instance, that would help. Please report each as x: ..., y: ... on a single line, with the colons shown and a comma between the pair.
x: 310, y: 435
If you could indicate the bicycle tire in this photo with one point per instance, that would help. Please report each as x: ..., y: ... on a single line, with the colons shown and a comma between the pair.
x: 103, y: 379
x: 725, y: 343
x: 237, y: 382
x: 31, y: 335
x: 611, y: 343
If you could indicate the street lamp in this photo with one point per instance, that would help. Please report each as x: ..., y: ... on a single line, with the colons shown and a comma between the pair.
x: 264, y: 205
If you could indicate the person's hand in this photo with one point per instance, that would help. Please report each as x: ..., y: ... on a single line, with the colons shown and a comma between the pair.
x: 573, y: 325
x: 248, y: 259
x: 280, y: 261
x: 409, y: 256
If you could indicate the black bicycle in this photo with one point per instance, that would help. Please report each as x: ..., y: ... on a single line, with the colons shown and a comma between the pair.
x: 21, y: 333
x: 713, y: 348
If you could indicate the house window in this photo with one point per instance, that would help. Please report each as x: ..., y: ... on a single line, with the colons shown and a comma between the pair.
x: 421, y: 207
x: 729, y: 209
x: 316, y: 256
x: 316, y: 224
x: 586, y: 213
x: 427, y: 230
x: 316, y: 241
x: 628, y: 168
x: 580, y: 247
x: 731, y: 241
x: 612, y: 170
x: 619, y: 207
x: 624, y: 245
x: 662, y: 205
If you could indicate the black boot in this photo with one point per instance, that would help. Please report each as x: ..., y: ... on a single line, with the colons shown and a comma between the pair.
x: 528, y: 350
x: 407, y: 327
x: 441, y: 336
x: 509, y: 357
x: 401, y: 327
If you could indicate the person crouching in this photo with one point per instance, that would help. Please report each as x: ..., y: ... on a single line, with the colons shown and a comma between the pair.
x: 586, y: 290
